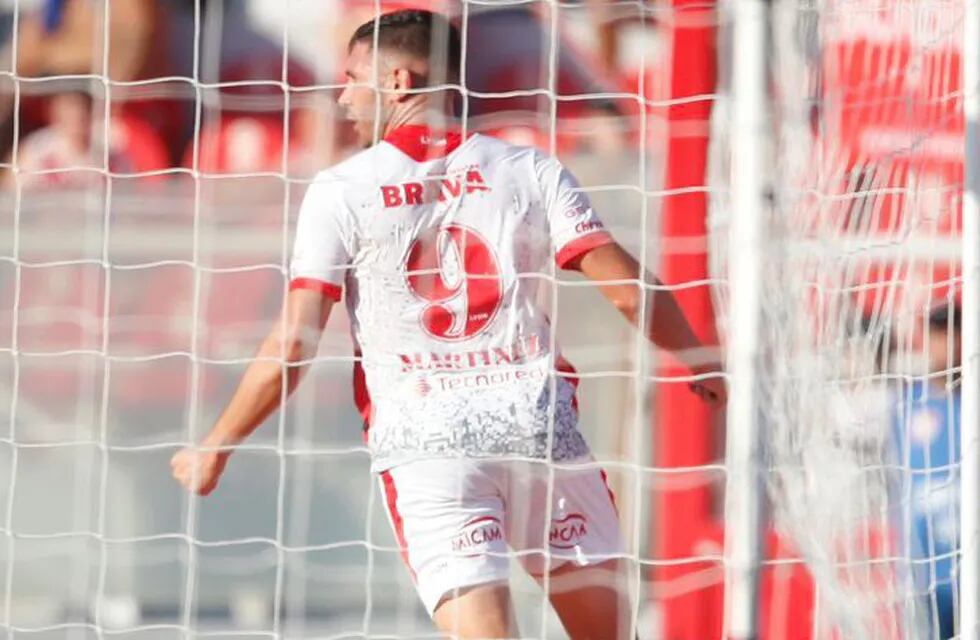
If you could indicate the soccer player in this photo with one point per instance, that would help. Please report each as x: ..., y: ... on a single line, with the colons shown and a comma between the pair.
x: 437, y: 243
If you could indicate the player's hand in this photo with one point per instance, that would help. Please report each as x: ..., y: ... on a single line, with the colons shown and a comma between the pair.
x: 711, y: 391
x: 198, y: 471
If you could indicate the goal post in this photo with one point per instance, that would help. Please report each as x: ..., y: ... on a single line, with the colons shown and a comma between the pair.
x: 748, y: 238
x: 683, y: 428
x: 969, y: 533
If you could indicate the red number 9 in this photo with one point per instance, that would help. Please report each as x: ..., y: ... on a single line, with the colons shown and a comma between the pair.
x: 454, y: 269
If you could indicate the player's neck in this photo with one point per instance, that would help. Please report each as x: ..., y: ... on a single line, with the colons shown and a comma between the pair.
x: 418, y: 113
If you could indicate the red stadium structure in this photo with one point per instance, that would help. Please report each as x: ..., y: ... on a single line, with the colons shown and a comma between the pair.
x: 682, y: 424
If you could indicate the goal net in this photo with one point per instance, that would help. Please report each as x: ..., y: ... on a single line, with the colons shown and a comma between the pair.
x: 859, y: 395
x: 154, y: 157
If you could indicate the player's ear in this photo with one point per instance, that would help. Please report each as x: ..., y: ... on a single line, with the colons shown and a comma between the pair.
x: 404, y: 82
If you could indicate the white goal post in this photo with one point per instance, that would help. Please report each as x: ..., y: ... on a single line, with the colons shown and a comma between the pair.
x: 970, y: 436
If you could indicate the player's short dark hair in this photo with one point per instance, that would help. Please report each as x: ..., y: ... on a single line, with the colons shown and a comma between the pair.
x: 423, y: 34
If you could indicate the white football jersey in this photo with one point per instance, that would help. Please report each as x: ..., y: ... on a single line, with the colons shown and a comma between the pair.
x: 439, y: 246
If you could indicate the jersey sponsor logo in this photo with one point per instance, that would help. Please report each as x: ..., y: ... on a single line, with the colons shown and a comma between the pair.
x: 568, y: 532
x: 454, y: 270
x: 477, y: 534
x: 576, y: 211
x: 473, y: 381
x: 437, y: 190
x: 591, y: 225
x: 525, y: 349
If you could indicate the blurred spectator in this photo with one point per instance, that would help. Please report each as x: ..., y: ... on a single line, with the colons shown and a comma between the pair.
x: 151, y: 40
x: 927, y: 430
x: 134, y: 146
x: 64, y: 142
x: 239, y: 144
x: 65, y: 37
x: 610, y: 21
x: 72, y: 139
x: 509, y: 50
x: 243, y: 123
x: 631, y: 46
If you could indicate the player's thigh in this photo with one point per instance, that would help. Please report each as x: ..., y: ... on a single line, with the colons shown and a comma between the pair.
x: 563, y: 520
x: 448, y: 519
x: 481, y: 611
x: 559, y: 514
x: 593, y: 601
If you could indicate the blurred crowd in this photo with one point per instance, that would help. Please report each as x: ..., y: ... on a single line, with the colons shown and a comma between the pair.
x: 244, y: 86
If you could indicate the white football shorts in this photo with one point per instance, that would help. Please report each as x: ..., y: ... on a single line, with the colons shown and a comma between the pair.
x: 455, y: 518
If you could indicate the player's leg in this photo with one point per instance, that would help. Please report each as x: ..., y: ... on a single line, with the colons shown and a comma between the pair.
x: 448, y: 521
x: 593, y: 601
x: 577, y: 542
x: 482, y: 611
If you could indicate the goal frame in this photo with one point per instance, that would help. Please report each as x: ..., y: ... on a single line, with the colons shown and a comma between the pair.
x: 969, y: 579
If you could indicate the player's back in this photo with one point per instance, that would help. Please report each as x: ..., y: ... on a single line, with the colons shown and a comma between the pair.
x: 442, y: 245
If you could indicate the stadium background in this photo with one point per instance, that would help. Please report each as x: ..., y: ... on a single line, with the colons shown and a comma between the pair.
x: 146, y: 261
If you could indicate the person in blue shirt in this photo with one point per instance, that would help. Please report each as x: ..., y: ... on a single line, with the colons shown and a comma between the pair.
x: 927, y: 433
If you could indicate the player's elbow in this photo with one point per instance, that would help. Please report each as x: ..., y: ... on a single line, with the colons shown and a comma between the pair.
x: 290, y: 347
x: 627, y: 302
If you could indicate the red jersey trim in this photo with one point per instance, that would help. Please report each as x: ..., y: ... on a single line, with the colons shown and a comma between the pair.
x: 420, y: 143
x: 362, y: 396
x: 391, y: 497
x: 612, y: 496
x: 327, y: 289
x: 565, y: 367
x: 581, y: 246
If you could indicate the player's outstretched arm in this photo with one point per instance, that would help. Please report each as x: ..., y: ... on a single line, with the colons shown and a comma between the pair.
x: 667, y: 328
x: 292, y: 342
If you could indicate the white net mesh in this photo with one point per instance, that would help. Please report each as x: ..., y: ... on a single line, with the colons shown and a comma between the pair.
x: 859, y: 397
x: 143, y: 257
x: 158, y: 152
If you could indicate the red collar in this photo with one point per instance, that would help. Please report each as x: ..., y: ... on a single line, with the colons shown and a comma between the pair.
x: 420, y: 143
